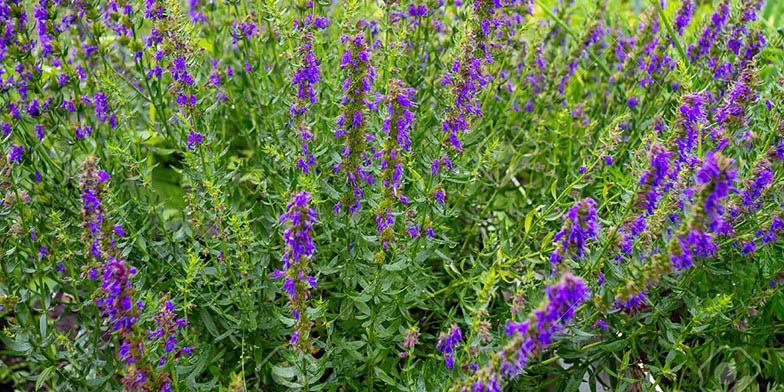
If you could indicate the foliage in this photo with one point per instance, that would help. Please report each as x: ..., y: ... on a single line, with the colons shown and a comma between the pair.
x: 401, y: 195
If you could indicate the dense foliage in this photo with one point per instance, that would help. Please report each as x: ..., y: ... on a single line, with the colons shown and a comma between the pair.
x: 476, y: 195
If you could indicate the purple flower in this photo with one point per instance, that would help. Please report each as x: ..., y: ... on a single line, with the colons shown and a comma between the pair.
x: 634, y: 303
x: 537, y: 332
x: 579, y: 226
x: 711, y: 32
x: 359, y: 78
x: 299, y: 248
x: 15, y: 153
x: 733, y: 109
x: 762, y: 177
x: 439, y: 195
x: 717, y: 174
x: 194, y: 139
x: 447, y: 343
x: 684, y: 16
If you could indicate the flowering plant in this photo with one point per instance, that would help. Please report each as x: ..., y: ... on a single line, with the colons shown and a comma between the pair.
x: 406, y: 195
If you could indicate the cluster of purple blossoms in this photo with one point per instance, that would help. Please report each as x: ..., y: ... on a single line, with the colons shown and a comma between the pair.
x: 153, y: 9
x: 41, y: 16
x: 635, y: 303
x: 594, y: 37
x: 467, y: 76
x: 717, y: 177
x: 417, y: 10
x: 733, y: 109
x: 92, y: 183
x: 447, y: 343
x: 117, y: 299
x: 194, y: 139
x: 299, y: 249
x: 654, y: 182
x: 15, y: 153
x: 318, y: 22
x: 415, y: 14
x: 773, y: 232
x: 761, y: 179
x: 684, y: 16
x: 167, y: 327
x: 409, y: 342
x: 305, y: 77
x: 755, y: 40
x: 660, y: 61
x: 101, y: 106
x: 243, y: 30
x: 579, y: 226
x: 531, y: 336
x: 179, y: 71
x: 711, y: 32
x: 693, y: 112
x: 196, y: 15
x: 397, y: 125
x: 360, y: 76
x: 620, y: 52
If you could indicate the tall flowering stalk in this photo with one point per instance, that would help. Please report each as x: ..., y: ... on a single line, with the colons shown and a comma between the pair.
x: 740, y: 28
x: 653, y: 183
x: 360, y: 76
x: 306, y: 76
x: 660, y: 61
x: 530, y: 337
x: 594, y: 36
x: 467, y: 77
x: 733, y: 110
x: 295, y: 270
x: 118, y: 301
x: 693, y: 114
x: 711, y: 33
x: 665, y: 172
x: 92, y: 182
x: 684, y: 15
x: 397, y: 125
x: 696, y: 237
x: 717, y: 176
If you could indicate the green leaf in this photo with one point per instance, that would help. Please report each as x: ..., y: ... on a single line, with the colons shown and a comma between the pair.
x: 98, y: 381
x: 398, y: 266
x: 529, y: 219
x: 45, y: 374
x: 42, y: 324
x: 285, y: 372
x: 208, y: 322
x: 384, y: 376
x: 576, y: 379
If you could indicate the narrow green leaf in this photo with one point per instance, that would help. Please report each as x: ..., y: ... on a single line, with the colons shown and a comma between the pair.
x: 45, y: 374
x: 528, y: 220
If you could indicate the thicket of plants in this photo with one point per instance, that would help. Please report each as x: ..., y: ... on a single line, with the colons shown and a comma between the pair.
x: 440, y: 195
